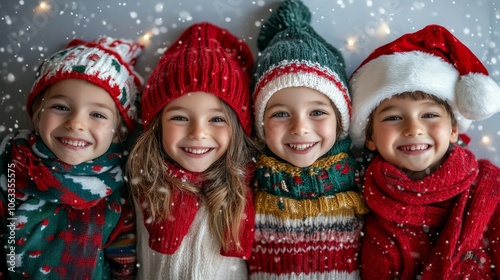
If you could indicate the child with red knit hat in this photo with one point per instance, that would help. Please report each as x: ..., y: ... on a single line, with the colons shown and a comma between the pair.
x: 309, y: 211
x: 435, y: 210
x: 65, y: 209
x: 190, y: 169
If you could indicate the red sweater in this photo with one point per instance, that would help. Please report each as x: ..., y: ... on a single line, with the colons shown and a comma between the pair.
x: 445, y: 226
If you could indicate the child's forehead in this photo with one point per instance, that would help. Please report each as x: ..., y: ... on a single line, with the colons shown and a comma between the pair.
x: 79, y: 91
x: 299, y: 94
x: 416, y: 97
x: 409, y: 102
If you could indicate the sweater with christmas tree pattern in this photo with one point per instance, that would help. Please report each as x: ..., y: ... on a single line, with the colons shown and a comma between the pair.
x: 308, y: 220
x: 63, y: 221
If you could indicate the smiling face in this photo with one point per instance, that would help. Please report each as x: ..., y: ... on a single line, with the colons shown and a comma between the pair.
x: 195, y: 130
x: 412, y: 134
x: 300, y: 125
x: 77, y: 120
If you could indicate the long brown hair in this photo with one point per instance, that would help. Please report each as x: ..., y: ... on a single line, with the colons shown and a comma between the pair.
x: 225, y: 180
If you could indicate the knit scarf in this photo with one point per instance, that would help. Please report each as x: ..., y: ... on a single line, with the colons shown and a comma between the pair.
x: 64, y: 213
x: 166, y: 236
x: 332, y: 173
x: 428, y: 227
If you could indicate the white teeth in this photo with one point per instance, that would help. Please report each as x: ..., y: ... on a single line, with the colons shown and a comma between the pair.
x: 196, y: 151
x: 415, y: 147
x: 300, y: 147
x: 74, y: 143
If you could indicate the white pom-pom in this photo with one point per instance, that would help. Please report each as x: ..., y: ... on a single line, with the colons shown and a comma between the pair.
x: 478, y: 96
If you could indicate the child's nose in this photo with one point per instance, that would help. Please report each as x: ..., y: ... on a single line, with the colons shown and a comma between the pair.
x: 413, y: 128
x: 197, y: 131
x: 75, y: 122
x: 299, y: 126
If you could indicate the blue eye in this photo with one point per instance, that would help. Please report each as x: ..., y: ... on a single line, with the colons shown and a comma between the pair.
x: 318, y: 113
x: 178, y: 118
x: 98, y: 115
x: 60, y: 107
x: 217, y: 119
x: 392, y: 118
x: 280, y: 115
x: 430, y: 115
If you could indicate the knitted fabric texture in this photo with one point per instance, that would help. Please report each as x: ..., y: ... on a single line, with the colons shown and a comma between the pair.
x: 294, y: 55
x: 65, y: 217
x: 307, y: 221
x: 430, y: 60
x: 445, y: 226
x: 104, y: 62
x: 166, y: 236
x: 205, y: 58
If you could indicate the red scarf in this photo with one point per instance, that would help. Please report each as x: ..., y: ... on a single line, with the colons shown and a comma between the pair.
x: 433, y: 227
x: 166, y: 236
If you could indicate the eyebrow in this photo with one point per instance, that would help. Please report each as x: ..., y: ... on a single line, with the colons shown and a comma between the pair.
x: 429, y: 103
x: 388, y: 108
x: 314, y: 103
x: 100, y: 105
x: 180, y: 108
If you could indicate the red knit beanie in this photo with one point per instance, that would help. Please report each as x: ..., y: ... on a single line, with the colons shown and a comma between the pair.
x: 205, y: 58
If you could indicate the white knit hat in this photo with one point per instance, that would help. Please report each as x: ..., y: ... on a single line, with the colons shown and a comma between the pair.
x: 105, y: 62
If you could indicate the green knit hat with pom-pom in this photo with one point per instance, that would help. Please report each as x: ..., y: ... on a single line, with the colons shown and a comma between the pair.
x: 294, y: 55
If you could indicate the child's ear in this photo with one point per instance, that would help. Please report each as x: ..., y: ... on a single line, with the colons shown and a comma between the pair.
x: 454, y: 134
x: 117, y: 136
x: 370, y: 144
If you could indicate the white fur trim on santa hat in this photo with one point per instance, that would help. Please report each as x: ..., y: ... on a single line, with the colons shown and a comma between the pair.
x: 478, y: 96
x: 301, y: 79
x: 389, y: 75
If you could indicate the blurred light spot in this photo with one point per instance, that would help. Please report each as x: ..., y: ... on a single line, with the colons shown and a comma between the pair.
x: 159, y: 8
x: 43, y: 7
x: 351, y: 43
x: 486, y: 140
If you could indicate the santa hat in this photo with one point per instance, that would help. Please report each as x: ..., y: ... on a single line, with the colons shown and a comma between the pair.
x: 105, y: 62
x: 430, y: 60
x: 205, y: 58
x: 294, y: 55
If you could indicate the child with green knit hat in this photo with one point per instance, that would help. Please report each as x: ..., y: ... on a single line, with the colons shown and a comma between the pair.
x: 307, y: 201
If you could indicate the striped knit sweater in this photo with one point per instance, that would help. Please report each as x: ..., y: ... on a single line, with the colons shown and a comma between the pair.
x: 308, y: 220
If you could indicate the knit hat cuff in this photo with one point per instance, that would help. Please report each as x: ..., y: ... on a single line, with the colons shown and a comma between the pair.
x: 389, y: 75
x: 301, y: 74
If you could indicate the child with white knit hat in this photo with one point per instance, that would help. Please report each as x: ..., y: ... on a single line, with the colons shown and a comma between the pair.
x: 68, y: 209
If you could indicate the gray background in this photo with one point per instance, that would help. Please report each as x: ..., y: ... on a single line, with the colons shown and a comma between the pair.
x: 31, y: 34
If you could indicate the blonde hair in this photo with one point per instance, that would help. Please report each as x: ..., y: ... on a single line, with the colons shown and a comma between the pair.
x: 225, y: 180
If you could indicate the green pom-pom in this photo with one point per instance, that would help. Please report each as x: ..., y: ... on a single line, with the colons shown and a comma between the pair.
x: 291, y: 14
